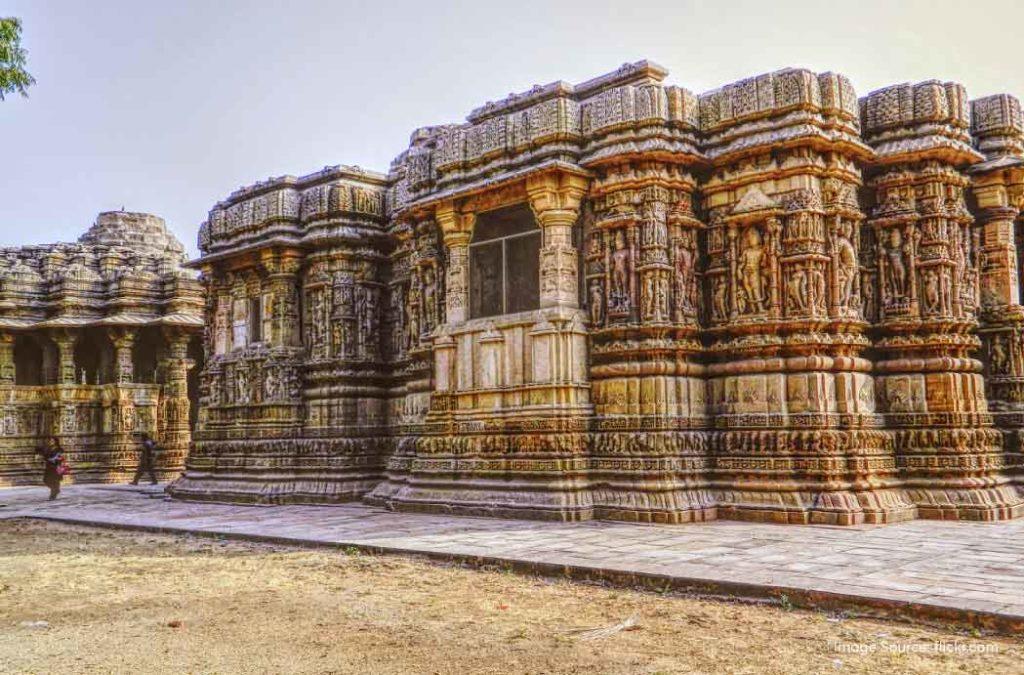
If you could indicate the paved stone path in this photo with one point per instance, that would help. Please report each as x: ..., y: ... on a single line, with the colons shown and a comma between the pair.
x: 970, y: 573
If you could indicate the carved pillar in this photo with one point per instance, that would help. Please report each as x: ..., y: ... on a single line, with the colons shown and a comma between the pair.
x: 555, y: 200
x: 930, y: 386
x: 999, y: 282
x: 456, y: 229
x: 174, y: 432
x: 65, y: 342
x: 1002, y: 316
x: 280, y: 310
x: 123, y: 340
x: 7, y: 368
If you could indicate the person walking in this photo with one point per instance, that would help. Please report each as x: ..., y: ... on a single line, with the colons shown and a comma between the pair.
x: 55, y: 466
x: 146, y: 460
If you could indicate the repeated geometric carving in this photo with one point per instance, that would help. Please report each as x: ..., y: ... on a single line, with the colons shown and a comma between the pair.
x: 762, y: 302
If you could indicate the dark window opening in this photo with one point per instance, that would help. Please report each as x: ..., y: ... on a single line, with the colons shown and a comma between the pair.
x: 504, y: 262
x: 255, y: 320
x: 146, y: 353
x: 93, y: 358
x: 28, y: 361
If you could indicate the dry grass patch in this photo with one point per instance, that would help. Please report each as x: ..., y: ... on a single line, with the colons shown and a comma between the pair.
x: 117, y: 601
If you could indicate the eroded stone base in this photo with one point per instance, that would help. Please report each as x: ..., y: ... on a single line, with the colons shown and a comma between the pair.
x: 537, y: 476
x: 283, y: 471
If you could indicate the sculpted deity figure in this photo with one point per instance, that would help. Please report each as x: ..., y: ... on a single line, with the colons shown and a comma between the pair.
x: 796, y: 289
x: 429, y: 298
x: 337, y: 337
x: 271, y: 385
x: 242, y: 387
x: 412, y: 320
x: 620, y: 271
x: 932, y: 299
x: 596, y: 303
x: 998, y: 355
x: 684, y: 275
x: 868, y: 297
x: 720, y: 304
x: 897, y: 270
x: 751, y: 274
x: 816, y: 284
x: 650, y: 297
x: 368, y: 320
x: 846, y: 265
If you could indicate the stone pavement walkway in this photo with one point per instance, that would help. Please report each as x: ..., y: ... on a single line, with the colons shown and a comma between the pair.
x: 965, y: 573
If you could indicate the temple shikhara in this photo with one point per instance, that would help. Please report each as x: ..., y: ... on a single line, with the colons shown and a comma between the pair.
x: 97, y: 340
x: 616, y: 299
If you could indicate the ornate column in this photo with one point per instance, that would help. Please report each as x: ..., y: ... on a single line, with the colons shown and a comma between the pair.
x: 7, y: 368
x: 456, y: 230
x: 1000, y: 286
x: 123, y: 340
x: 555, y: 199
x: 642, y: 275
x: 281, y: 312
x: 65, y: 341
x: 930, y: 385
x: 174, y: 432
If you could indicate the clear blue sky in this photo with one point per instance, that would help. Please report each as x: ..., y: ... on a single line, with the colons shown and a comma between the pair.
x: 167, y: 107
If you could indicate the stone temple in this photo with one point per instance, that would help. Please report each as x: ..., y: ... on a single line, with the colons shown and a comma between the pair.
x: 97, y: 340
x: 618, y: 299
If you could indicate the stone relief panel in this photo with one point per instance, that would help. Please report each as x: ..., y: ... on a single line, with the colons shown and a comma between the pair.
x: 759, y: 302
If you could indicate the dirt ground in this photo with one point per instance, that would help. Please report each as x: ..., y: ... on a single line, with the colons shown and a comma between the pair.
x: 130, y: 602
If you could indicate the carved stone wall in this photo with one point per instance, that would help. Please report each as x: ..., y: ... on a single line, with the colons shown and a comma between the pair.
x: 298, y: 381
x: 763, y: 302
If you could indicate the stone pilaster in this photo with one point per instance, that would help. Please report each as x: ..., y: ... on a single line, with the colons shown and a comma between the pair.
x: 7, y: 367
x: 281, y: 310
x: 930, y: 387
x: 456, y: 230
x: 174, y: 432
x: 1000, y: 286
x: 65, y: 342
x: 123, y: 340
x: 555, y: 199
x: 642, y: 280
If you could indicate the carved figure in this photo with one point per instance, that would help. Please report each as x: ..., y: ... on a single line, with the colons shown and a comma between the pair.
x: 596, y: 303
x: 998, y: 355
x: 620, y: 272
x: 429, y: 298
x: 751, y: 274
x: 816, y: 284
x: 796, y: 289
x: 897, y: 270
x: 846, y: 266
x: 685, y: 277
x: 720, y: 300
x: 932, y: 299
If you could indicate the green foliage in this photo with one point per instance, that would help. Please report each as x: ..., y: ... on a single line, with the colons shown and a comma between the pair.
x: 13, y: 76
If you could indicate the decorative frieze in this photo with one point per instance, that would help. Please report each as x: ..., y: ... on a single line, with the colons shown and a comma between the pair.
x: 619, y: 299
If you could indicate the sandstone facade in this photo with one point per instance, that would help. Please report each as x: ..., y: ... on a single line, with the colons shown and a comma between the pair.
x: 94, y: 349
x: 621, y: 300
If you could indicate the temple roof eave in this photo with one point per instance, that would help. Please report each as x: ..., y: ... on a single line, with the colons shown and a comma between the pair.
x: 179, y: 319
x: 490, y: 183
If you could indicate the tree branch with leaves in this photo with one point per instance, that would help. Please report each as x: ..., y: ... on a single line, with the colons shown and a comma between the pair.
x: 13, y: 76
